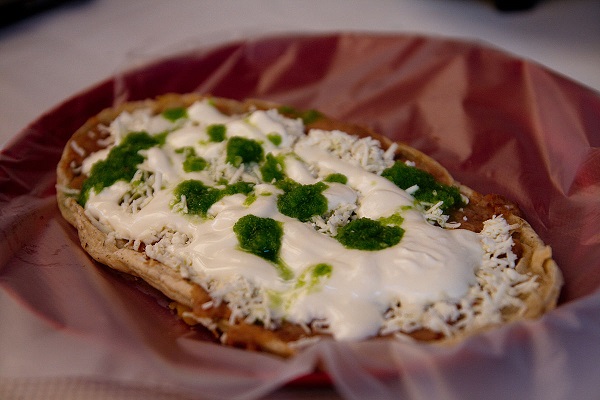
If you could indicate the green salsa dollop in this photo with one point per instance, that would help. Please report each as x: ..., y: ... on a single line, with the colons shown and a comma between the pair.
x: 199, y: 197
x: 242, y: 151
x: 308, y: 116
x: 192, y: 162
x: 262, y: 237
x: 312, y: 276
x: 274, y: 138
x: 273, y: 168
x: 120, y: 164
x: 368, y: 234
x: 173, y: 114
x: 430, y: 191
x: 302, y: 201
x: 216, y: 132
x: 339, y: 178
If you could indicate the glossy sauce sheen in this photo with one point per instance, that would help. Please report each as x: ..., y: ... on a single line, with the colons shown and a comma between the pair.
x: 429, y: 264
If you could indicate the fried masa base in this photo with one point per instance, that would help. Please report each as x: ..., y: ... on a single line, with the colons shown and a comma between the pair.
x: 188, y: 297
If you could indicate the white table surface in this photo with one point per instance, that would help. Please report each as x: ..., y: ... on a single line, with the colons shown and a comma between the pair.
x: 51, y: 56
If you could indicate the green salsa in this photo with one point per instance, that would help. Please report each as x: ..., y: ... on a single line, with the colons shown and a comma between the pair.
x: 242, y: 151
x: 120, y: 164
x: 262, y: 237
x: 251, y: 198
x: 216, y: 132
x: 273, y: 168
x: 430, y: 191
x: 368, y: 234
x: 199, y: 197
x: 302, y: 201
x: 394, y: 219
x: 259, y: 236
x: 339, y: 178
x: 238, y: 187
x: 192, y: 162
x: 173, y: 114
x: 311, y: 277
x: 274, y: 138
x: 307, y: 117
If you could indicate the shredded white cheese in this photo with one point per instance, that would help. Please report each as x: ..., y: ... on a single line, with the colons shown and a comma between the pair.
x: 365, y: 152
x: 498, y: 286
x: 77, y: 149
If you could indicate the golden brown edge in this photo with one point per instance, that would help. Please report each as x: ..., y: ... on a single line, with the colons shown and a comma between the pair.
x: 536, y: 258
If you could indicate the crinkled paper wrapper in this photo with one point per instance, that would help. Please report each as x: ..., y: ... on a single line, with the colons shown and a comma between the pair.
x: 498, y: 123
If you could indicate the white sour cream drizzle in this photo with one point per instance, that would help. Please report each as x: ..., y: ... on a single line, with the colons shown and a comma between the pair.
x: 430, y: 266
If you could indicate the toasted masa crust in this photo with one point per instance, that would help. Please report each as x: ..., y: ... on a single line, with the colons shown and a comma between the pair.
x: 535, y: 256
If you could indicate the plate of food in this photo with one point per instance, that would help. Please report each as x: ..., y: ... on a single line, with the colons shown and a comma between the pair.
x: 354, y: 209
